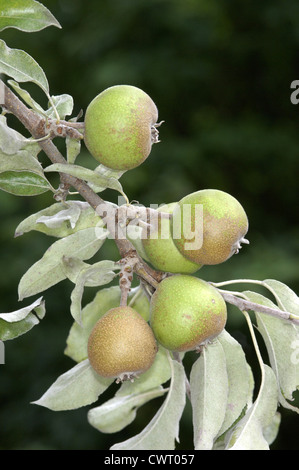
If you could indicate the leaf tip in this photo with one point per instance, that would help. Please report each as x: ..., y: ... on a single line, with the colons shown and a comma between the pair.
x: 18, y: 234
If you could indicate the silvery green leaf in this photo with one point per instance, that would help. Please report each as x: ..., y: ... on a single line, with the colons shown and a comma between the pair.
x: 17, y: 323
x: 98, y: 274
x: 25, y: 15
x: 88, y: 175
x: 134, y: 235
x: 240, y: 385
x: 20, y: 162
x: 20, y: 66
x: 209, y: 395
x: 24, y: 183
x: 73, y: 147
x: 72, y: 267
x: 270, y: 432
x: 71, y: 214
x: 64, y: 105
x: 48, y: 271
x: 157, y: 375
x: 87, y: 219
x: 139, y: 301
x: 79, y: 386
x: 11, y: 141
x: 119, y: 412
x: 280, y: 337
x: 286, y: 298
x: 21, y: 173
x: 106, y: 174
x: 104, y: 300
x: 26, y: 97
x: 250, y: 431
x: 163, y: 430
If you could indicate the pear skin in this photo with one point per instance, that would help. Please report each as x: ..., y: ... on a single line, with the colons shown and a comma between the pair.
x: 120, y: 127
x: 186, y: 312
x: 209, y: 226
x: 121, y: 344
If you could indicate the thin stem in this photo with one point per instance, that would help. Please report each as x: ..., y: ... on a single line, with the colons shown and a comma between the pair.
x: 245, y: 281
x: 135, y: 296
x: 255, y: 344
x: 35, y: 124
x: 244, y: 304
x: 76, y: 125
x: 54, y: 107
x: 237, y: 281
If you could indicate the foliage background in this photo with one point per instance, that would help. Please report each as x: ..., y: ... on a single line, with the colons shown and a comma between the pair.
x: 220, y: 74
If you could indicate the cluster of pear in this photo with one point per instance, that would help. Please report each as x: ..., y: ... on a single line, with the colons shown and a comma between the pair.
x: 185, y: 312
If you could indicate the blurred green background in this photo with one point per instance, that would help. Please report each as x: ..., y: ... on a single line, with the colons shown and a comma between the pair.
x: 220, y: 74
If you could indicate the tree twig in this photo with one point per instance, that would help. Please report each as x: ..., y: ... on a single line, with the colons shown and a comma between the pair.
x: 244, y: 304
x: 36, y: 125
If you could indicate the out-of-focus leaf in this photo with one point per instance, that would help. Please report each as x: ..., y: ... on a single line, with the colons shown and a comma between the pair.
x: 20, y: 66
x: 79, y: 386
x: 25, y: 15
x: 17, y: 323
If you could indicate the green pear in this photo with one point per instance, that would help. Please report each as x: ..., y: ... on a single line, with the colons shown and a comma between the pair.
x: 120, y: 127
x: 186, y: 312
x: 121, y: 344
x: 160, y: 249
x: 209, y: 226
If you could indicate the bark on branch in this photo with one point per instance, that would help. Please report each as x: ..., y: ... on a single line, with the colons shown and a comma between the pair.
x: 36, y: 125
x: 246, y: 305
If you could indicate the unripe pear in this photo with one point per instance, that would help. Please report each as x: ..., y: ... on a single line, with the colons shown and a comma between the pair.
x: 160, y: 249
x: 186, y: 312
x: 213, y: 235
x: 121, y: 344
x: 120, y: 127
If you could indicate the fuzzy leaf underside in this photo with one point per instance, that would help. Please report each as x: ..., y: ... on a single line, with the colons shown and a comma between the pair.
x: 48, y: 271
